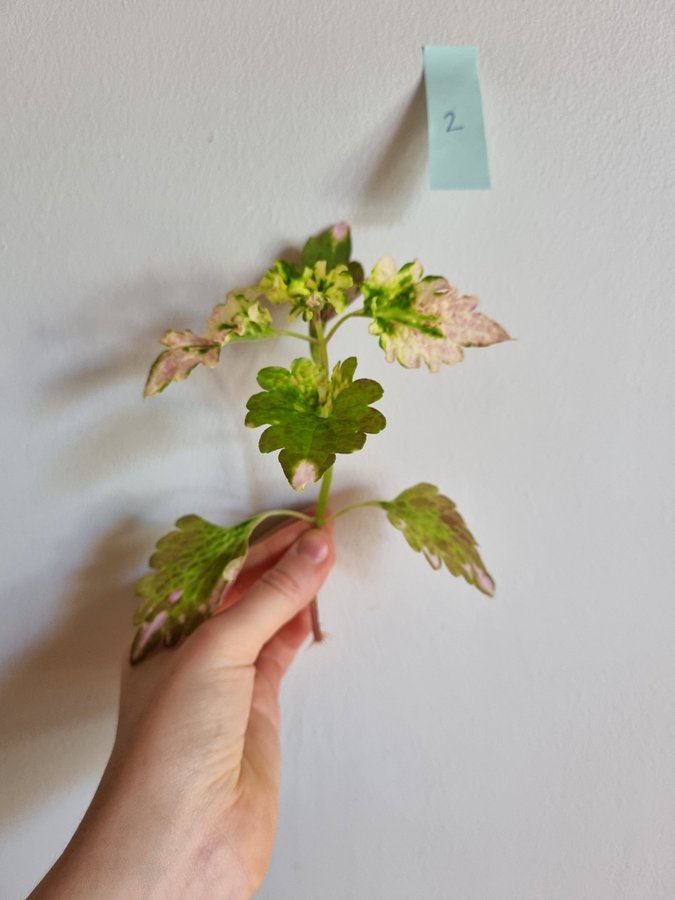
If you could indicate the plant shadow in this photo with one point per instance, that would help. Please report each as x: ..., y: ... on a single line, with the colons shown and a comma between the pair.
x: 102, y: 378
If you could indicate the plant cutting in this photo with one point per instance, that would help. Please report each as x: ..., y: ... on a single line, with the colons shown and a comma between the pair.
x: 312, y: 412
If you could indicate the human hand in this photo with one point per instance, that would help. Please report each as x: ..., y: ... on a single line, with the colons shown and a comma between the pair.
x: 188, y: 804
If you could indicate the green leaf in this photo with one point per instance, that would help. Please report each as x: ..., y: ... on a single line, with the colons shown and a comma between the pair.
x: 356, y: 271
x: 282, y: 283
x: 431, y: 524
x: 187, y: 350
x: 311, y: 417
x: 193, y: 567
x: 334, y: 245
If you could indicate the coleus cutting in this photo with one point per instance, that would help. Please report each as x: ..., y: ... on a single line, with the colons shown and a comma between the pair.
x: 313, y: 412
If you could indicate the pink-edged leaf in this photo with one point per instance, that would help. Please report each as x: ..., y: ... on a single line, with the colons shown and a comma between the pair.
x: 186, y: 350
x: 192, y: 568
x: 312, y: 417
x: 240, y: 318
x: 456, y: 317
x: 334, y: 245
x: 432, y: 525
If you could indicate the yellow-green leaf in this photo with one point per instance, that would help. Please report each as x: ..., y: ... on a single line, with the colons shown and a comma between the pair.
x: 311, y: 417
x: 192, y: 568
x: 432, y: 525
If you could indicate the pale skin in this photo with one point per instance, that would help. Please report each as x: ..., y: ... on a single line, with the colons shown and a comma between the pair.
x: 188, y: 804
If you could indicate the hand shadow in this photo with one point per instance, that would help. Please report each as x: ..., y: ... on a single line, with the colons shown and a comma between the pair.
x: 67, y: 684
x: 68, y: 681
x: 58, y: 700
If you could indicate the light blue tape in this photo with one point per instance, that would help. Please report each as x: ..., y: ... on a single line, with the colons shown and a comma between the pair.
x: 457, y: 150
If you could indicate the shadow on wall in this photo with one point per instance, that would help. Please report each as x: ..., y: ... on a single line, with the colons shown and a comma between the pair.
x: 58, y: 701
x: 62, y: 694
x: 394, y: 180
x: 109, y: 346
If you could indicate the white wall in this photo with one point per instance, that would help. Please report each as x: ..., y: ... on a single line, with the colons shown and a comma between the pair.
x: 440, y: 745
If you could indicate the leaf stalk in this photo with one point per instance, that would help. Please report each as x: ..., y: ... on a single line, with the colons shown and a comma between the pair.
x: 352, y: 315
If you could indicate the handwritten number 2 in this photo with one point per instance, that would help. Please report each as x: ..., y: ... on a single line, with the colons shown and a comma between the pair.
x: 451, y: 123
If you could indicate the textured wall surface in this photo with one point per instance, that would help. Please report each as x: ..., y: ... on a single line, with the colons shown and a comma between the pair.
x: 440, y: 745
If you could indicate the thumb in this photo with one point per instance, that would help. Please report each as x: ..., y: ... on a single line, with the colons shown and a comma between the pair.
x: 278, y: 595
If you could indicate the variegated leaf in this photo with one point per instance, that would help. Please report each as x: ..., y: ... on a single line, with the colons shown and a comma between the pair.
x: 240, y: 318
x: 193, y: 567
x: 423, y: 319
x: 309, y: 290
x: 459, y: 323
x: 432, y: 525
x: 187, y: 350
x: 311, y: 417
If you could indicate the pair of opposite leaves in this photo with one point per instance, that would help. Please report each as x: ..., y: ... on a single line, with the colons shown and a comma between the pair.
x: 312, y: 415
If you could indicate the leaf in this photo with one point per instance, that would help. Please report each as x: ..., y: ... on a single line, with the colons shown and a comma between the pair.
x: 356, y: 271
x: 187, y: 350
x: 240, y: 318
x: 431, y: 524
x: 424, y: 320
x: 282, y: 282
x: 459, y: 324
x: 309, y: 291
x: 334, y: 245
x: 311, y: 417
x: 389, y: 297
x: 193, y: 567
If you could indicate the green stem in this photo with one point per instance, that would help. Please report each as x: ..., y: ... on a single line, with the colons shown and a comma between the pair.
x: 351, y: 315
x: 295, y: 334
x: 294, y: 513
x: 346, y: 509
x: 320, y: 356
x: 321, y: 341
x: 320, y: 515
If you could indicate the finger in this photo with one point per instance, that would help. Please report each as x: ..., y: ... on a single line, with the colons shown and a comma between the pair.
x: 263, y: 554
x: 278, y: 539
x: 261, y: 745
x: 276, y: 656
x: 278, y: 595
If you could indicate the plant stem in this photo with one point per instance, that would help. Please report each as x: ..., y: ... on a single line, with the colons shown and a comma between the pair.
x: 320, y: 355
x: 294, y: 513
x: 319, y: 519
x: 321, y: 341
x: 295, y: 334
x: 320, y: 514
x: 351, y: 315
x: 317, y: 633
x: 346, y: 509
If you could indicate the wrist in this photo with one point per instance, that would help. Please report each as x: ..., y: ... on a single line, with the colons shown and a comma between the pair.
x: 127, y: 851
